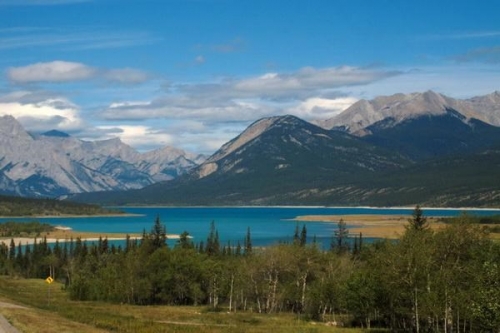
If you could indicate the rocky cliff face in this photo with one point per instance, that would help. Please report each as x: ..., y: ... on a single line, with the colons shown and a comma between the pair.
x: 56, y: 164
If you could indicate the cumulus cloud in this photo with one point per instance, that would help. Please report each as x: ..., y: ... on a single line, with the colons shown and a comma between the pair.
x: 304, y: 83
x: 144, y: 137
x: 41, y: 112
x: 185, y: 108
x: 64, y: 71
x: 251, y: 98
x: 310, y: 79
x: 205, y: 116
x: 195, y: 117
x: 317, y: 108
x: 55, y: 71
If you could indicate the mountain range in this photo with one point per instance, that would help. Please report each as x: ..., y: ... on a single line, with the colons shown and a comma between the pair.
x: 55, y: 164
x: 405, y: 149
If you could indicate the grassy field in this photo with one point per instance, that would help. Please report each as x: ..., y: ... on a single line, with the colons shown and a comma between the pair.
x: 59, y: 314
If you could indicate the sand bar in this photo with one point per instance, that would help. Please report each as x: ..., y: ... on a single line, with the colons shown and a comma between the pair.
x: 63, y: 234
x: 379, y: 226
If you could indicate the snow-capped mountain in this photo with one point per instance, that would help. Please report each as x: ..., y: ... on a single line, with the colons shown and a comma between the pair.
x: 54, y: 163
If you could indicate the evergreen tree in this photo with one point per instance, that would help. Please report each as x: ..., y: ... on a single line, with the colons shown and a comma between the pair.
x: 418, y: 220
x: 341, y: 244
x: 158, y: 235
x: 248, y: 243
x: 184, y: 242
x: 12, y: 250
x: 213, y: 245
x: 238, y: 249
x: 296, y: 235
x: 303, y: 236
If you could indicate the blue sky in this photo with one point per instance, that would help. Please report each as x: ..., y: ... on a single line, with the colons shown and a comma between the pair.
x: 194, y: 73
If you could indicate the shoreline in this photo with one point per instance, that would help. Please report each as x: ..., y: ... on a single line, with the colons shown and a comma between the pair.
x: 69, y: 216
x: 319, y: 206
x: 53, y: 240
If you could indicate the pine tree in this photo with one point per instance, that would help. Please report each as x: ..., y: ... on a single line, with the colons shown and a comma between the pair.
x: 247, y: 243
x: 296, y: 235
x: 12, y: 250
x: 158, y: 235
x: 213, y: 245
x: 341, y: 237
x: 238, y: 249
x: 418, y: 221
x: 303, y: 236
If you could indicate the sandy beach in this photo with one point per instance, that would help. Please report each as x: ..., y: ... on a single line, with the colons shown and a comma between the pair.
x: 66, y: 235
x: 379, y: 226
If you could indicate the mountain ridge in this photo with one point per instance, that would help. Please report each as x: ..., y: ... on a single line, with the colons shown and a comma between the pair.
x: 57, y: 164
x: 422, y: 148
x: 400, y: 107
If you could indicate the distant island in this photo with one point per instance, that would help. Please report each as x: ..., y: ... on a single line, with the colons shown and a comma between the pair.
x: 16, y: 206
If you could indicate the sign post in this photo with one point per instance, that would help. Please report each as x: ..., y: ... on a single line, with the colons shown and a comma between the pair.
x: 49, y: 281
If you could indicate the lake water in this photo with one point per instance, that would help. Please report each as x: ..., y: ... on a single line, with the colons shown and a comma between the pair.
x: 268, y: 225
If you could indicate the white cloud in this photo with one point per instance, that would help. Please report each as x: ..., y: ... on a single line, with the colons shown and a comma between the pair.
x: 202, y: 117
x: 181, y: 109
x: 309, y: 78
x: 304, y: 83
x: 64, y: 71
x: 42, y: 115
x: 251, y: 98
x: 142, y: 137
x: 318, y: 108
x: 55, y: 71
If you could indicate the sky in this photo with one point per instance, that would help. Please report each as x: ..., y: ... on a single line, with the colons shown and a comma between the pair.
x: 193, y: 74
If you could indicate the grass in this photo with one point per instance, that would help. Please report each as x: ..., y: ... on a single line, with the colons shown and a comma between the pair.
x: 59, y: 314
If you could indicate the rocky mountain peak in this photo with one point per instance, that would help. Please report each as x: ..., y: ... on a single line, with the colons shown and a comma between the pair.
x: 54, y: 163
x: 401, y: 107
x: 9, y: 126
x: 252, y: 132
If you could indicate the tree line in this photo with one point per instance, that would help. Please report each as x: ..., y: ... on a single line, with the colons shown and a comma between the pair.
x: 426, y: 281
x: 19, y: 206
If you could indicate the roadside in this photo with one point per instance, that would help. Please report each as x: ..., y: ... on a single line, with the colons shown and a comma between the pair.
x: 5, y: 326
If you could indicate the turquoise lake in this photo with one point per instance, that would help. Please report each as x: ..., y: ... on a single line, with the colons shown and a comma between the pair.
x: 268, y: 225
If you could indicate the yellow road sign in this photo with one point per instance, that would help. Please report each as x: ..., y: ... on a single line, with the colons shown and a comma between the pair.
x: 49, y: 280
